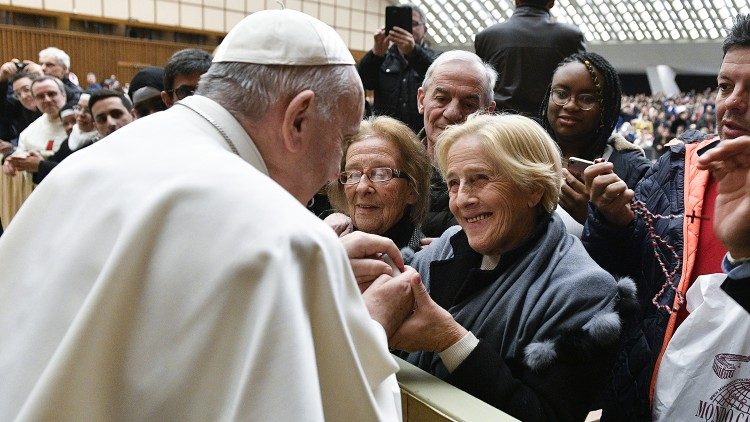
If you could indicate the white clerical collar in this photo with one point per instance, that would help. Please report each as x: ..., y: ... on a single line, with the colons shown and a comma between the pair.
x: 227, y: 125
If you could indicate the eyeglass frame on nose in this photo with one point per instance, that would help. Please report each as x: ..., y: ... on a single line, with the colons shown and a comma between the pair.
x: 345, y: 177
x: 49, y: 94
x: 553, y: 94
x: 182, y: 91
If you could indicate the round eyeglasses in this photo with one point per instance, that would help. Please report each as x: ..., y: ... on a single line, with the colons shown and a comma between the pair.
x: 377, y: 174
x: 182, y: 91
x: 585, y: 101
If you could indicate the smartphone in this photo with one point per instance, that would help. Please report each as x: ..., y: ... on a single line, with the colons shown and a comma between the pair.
x: 398, y: 16
x: 576, y: 166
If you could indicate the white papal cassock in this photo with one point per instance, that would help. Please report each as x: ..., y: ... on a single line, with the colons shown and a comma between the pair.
x: 158, y: 276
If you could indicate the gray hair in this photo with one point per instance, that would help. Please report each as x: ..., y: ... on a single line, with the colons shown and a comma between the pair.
x: 249, y: 90
x: 59, y: 55
x: 489, y: 73
x: 417, y: 9
x: 57, y: 81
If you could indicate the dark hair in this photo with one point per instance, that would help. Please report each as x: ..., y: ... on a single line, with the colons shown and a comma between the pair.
x: 610, y: 93
x: 23, y: 74
x: 537, y: 3
x: 739, y: 34
x: 108, y: 93
x: 185, y: 62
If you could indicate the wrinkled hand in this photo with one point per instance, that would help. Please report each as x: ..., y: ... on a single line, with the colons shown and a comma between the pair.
x: 365, y: 251
x: 430, y: 328
x: 380, y: 46
x: 340, y: 223
x: 28, y: 163
x: 6, y: 148
x: 729, y: 162
x: 390, y: 300
x: 403, y: 39
x: 609, y: 194
x: 574, y: 198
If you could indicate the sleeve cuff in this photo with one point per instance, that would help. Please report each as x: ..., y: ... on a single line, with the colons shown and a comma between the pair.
x: 453, y: 356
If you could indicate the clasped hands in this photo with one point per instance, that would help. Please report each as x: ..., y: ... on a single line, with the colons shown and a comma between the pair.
x: 401, y: 303
x: 26, y: 162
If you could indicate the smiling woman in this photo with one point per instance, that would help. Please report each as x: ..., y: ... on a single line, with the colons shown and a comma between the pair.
x: 580, y: 111
x: 384, y: 182
x: 517, y: 313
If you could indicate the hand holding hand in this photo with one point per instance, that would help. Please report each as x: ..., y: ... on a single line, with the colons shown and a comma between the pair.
x: 28, y: 163
x: 390, y: 300
x: 380, y: 47
x: 340, y: 223
x: 574, y: 197
x: 430, y: 328
x: 609, y: 194
x: 403, y: 39
x: 365, y: 251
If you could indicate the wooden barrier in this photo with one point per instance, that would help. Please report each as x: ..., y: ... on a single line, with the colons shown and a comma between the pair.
x: 101, y: 54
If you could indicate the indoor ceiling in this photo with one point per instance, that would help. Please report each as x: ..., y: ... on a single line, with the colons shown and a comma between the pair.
x: 452, y: 24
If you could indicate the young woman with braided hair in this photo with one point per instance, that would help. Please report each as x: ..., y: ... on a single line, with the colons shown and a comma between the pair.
x: 579, y: 111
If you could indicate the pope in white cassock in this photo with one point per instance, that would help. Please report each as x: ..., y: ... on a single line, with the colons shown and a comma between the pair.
x: 170, y: 272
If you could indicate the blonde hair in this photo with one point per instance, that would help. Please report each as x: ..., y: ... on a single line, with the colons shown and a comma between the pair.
x: 520, y: 148
x: 413, y: 160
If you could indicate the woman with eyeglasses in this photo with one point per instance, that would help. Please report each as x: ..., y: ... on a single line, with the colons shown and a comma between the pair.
x: 580, y: 111
x: 384, y: 183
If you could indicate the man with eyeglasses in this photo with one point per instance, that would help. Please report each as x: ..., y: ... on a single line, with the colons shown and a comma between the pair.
x: 525, y: 51
x: 44, y: 135
x: 395, y: 73
x: 18, y: 109
x: 182, y: 73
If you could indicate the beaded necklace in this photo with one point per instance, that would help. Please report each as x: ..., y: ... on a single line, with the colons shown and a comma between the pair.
x: 639, y: 208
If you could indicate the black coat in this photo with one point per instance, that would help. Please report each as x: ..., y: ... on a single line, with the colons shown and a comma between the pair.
x: 525, y: 50
x: 395, y: 82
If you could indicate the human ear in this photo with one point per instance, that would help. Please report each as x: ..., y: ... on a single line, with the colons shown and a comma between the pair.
x: 420, y: 100
x: 534, y: 198
x: 297, y: 120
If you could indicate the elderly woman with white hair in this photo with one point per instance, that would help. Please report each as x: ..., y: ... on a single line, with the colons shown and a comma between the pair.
x: 511, y: 308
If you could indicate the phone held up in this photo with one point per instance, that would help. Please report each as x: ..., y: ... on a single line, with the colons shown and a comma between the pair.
x: 399, y: 16
x: 576, y: 166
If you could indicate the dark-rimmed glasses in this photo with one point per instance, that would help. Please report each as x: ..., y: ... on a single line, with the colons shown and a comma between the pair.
x: 376, y: 174
x: 585, y: 101
x: 182, y: 91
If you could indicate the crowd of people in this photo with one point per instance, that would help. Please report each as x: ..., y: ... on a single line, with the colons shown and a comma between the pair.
x: 568, y: 250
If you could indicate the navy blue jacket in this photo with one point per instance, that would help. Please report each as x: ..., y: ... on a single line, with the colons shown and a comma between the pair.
x: 628, y: 251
